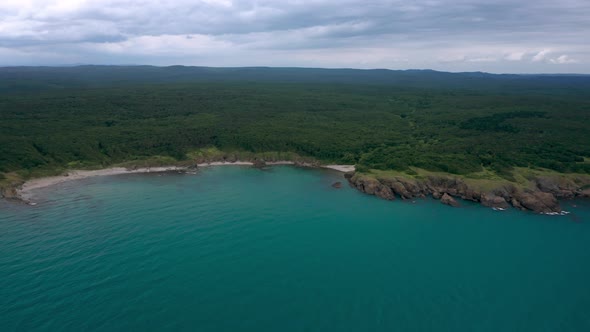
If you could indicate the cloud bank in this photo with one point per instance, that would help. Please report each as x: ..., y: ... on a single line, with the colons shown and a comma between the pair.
x: 454, y: 35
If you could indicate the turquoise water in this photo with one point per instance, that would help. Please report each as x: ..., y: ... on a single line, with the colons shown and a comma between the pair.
x: 239, y: 249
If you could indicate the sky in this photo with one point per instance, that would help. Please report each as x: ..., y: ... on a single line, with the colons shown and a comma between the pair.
x: 498, y: 36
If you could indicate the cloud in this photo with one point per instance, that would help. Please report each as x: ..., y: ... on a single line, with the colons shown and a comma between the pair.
x: 502, y: 35
x: 515, y: 56
x: 541, y: 56
x: 484, y: 59
x: 562, y: 59
x: 165, y: 45
x: 545, y: 56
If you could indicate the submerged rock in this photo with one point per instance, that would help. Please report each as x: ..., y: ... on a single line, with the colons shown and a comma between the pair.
x: 337, y: 185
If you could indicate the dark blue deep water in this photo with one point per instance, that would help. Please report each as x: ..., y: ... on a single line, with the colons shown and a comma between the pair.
x: 239, y: 249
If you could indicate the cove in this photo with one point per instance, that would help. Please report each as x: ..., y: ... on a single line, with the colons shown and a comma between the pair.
x: 242, y: 249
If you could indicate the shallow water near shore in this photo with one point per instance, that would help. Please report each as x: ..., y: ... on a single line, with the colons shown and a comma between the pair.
x: 241, y: 249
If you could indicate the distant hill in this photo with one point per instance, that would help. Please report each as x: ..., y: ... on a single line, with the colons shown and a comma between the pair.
x: 34, y: 79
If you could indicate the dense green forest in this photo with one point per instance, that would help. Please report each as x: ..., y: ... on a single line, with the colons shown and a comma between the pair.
x: 456, y: 123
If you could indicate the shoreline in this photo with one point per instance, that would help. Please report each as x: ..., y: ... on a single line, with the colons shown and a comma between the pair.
x: 543, y: 198
x: 541, y: 194
x: 23, y: 192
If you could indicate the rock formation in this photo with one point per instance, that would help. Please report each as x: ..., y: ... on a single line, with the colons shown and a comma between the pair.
x: 372, y: 186
x: 259, y: 163
x: 448, y: 200
x: 9, y: 193
x: 542, y: 198
x: 493, y: 201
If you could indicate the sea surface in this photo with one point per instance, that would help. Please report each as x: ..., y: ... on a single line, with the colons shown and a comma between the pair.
x: 239, y: 249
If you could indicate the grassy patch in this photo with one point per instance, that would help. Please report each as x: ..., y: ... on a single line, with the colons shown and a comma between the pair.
x: 155, y: 161
x: 214, y: 154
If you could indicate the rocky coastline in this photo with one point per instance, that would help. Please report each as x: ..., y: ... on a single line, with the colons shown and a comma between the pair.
x: 541, y: 197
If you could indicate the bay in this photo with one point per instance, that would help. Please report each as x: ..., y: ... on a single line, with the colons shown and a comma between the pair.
x: 241, y: 249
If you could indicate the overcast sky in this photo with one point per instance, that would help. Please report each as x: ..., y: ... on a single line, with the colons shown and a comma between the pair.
x: 526, y: 36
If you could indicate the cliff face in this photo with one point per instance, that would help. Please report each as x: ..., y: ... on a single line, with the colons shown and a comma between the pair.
x: 541, y: 198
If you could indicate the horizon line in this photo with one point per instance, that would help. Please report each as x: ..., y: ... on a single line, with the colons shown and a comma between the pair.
x: 290, y: 67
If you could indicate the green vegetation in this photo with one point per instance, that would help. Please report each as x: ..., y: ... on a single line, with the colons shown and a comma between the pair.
x: 478, y: 126
x: 214, y: 154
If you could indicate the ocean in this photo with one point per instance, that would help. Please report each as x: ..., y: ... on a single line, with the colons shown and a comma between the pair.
x: 234, y: 248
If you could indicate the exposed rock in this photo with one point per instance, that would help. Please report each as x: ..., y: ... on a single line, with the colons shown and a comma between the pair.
x: 569, y: 194
x: 453, y: 186
x: 385, y: 193
x: 9, y: 193
x: 562, y: 187
x: 372, y: 186
x: 348, y: 175
x: 542, y: 199
x: 491, y: 200
x: 471, y: 195
x: 401, y: 190
x: 405, y: 188
x: 337, y: 185
x: 516, y: 204
x: 444, y: 184
x: 448, y: 200
x: 232, y: 158
x: 538, y: 201
x: 259, y: 163
x: 550, y: 185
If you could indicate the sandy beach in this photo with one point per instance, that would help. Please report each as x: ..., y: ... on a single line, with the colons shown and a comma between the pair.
x: 24, y: 192
x: 341, y: 168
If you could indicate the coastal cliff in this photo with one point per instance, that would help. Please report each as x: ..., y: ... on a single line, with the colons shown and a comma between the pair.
x: 540, y: 194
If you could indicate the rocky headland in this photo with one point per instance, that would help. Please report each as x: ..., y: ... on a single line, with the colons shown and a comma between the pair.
x: 540, y: 194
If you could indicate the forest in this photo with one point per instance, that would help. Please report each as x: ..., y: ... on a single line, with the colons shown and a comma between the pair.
x: 90, y: 116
